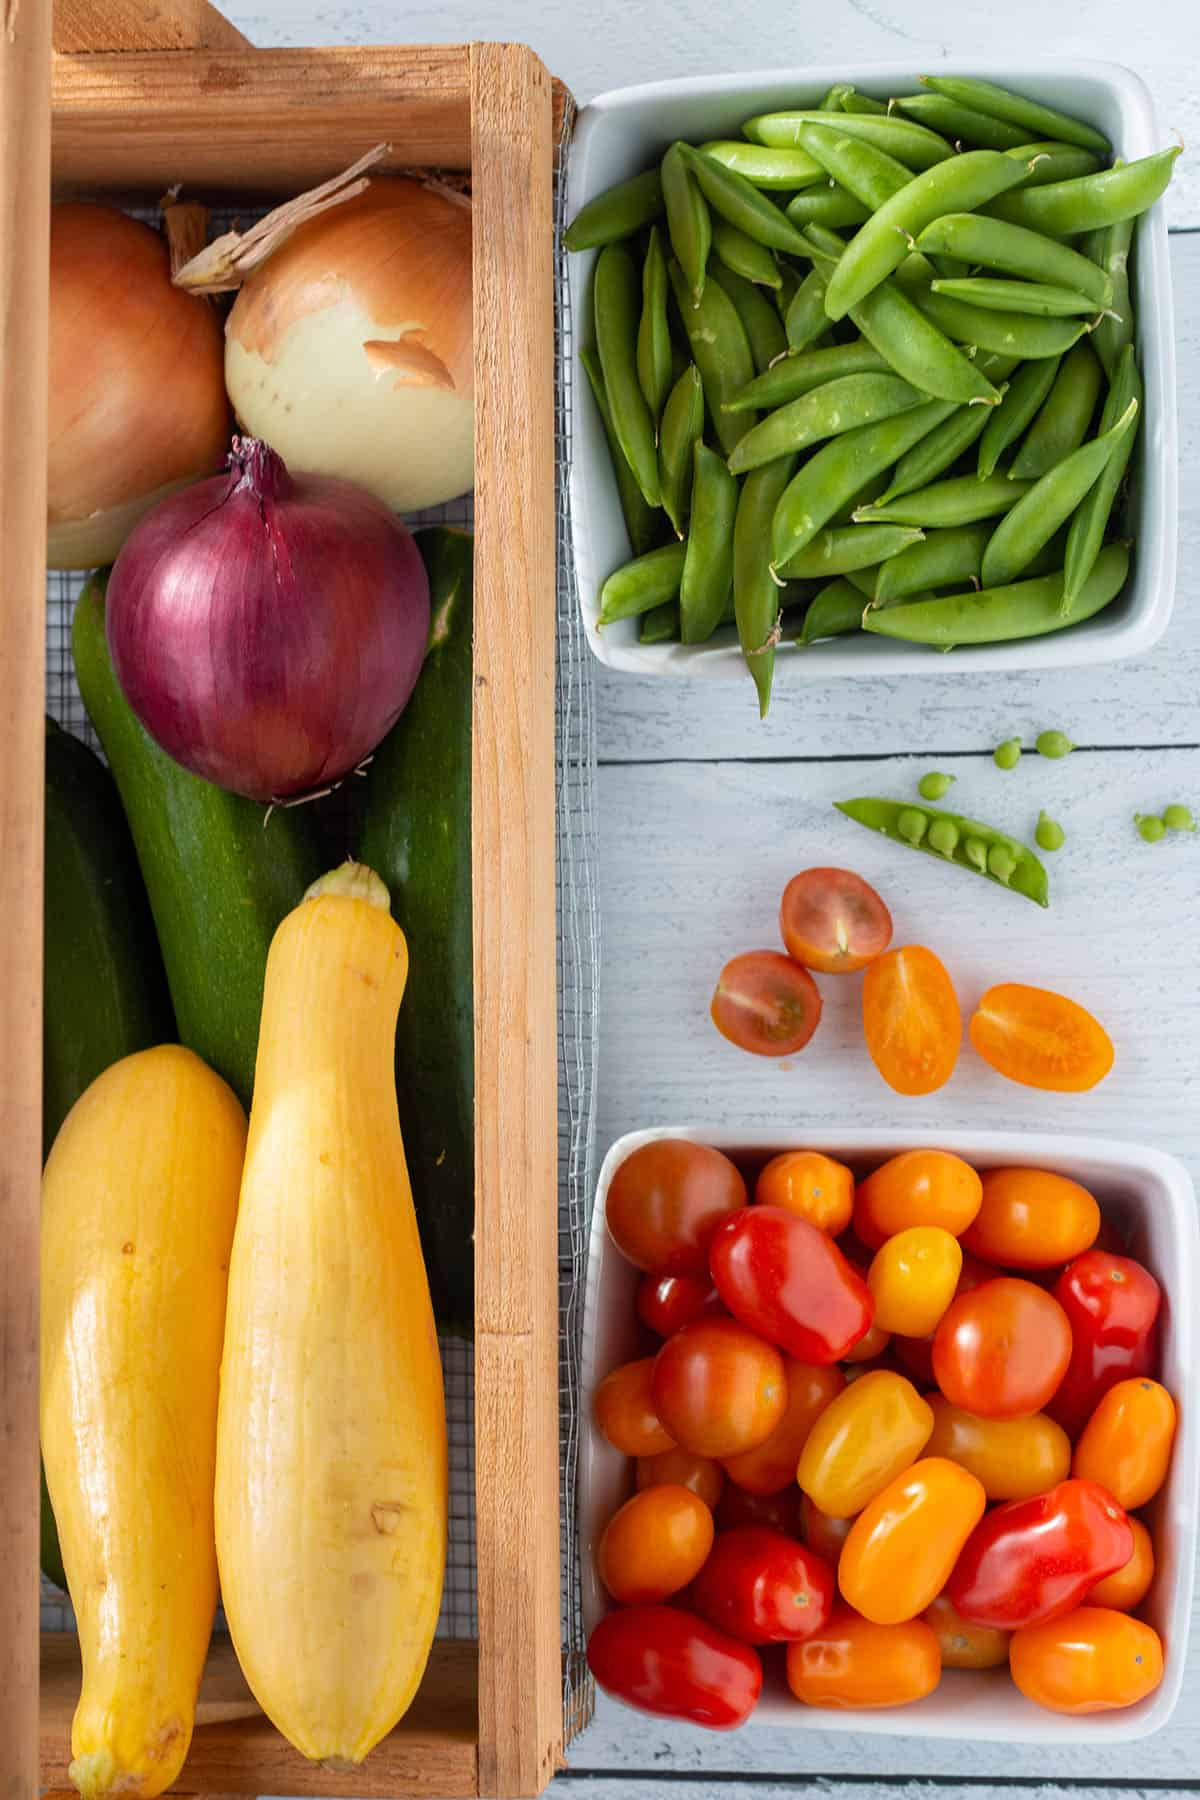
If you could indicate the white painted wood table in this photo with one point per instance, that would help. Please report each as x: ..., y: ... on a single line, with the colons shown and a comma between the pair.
x: 705, y: 813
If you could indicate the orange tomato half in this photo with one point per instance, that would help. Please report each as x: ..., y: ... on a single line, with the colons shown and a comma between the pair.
x: 918, y: 1187
x: 1032, y: 1219
x: 811, y: 1185
x: 1040, y: 1039
x: 851, y: 1663
x: 903, y: 1546
x: 1130, y: 1585
x: 911, y: 1019
x: 1126, y: 1444
x: 1092, y: 1660
x: 654, y: 1545
x: 964, y: 1645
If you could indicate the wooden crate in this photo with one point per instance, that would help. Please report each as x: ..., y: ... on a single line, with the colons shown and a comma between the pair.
x: 137, y: 96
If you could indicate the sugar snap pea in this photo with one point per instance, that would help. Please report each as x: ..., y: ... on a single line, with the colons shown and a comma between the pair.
x: 908, y: 142
x: 742, y: 204
x: 654, y: 333
x: 785, y: 293
x: 832, y: 206
x: 1015, y: 250
x: 796, y: 375
x: 805, y: 319
x: 1065, y: 208
x: 771, y: 169
x: 854, y: 102
x: 825, y: 412
x: 960, y: 500
x: 1086, y: 535
x: 756, y: 596
x: 689, y: 225
x: 1004, y: 295
x: 661, y: 624
x: 760, y: 319
x: 721, y: 351
x: 842, y: 549
x: 1026, y: 392
x: 643, y: 523
x: 1025, y: 876
x: 707, y: 580
x: 616, y: 299
x: 1048, y: 161
x: 837, y: 609
x: 937, y: 452
x: 1020, y: 609
x: 1115, y: 329
x: 986, y: 97
x: 682, y: 427
x: 941, y: 559
x: 647, y: 581
x: 744, y: 255
x: 859, y: 167
x: 965, y: 124
x: 1062, y: 422
x: 1010, y: 334
x: 616, y: 213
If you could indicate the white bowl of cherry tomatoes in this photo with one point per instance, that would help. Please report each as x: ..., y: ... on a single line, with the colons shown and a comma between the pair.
x: 891, y: 1432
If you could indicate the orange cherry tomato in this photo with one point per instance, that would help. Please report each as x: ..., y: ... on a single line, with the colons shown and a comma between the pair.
x: 918, y: 1187
x: 1129, y: 1586
x: 665, y: 1302
x: 680, y: 1468
x: 964, y: 1645
x: 624, y: 1410
x: 1040, y: 1039
x: 833, y: 921
x: 911, y: 1020
x: 903, y: 1546
x: 913, y: 1279
x: 869, y: 1348
x: 1032, y: 1219
x: 718, y: 1388
x: 1091, y: 1660
x: 1015, y: 1459
x: 771, y: 1465
x: 1002, y: 1349
x: 654, y: 1545
x: 863, y: 1439
x: 814, y: 1186
x: 821, y: 1533
x: 853, y: 1663
x: 665, y: 1201
x: 766, y: 1003
x: 780, y: 1511
x: 1126, y: 1444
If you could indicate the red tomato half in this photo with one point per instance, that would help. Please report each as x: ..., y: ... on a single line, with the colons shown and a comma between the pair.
x: 789, y: 1282
x: 665, y: 1302
x: 671, y: 1663
x: 766, y: 1003
x: 832, y: 920
x: 1034, y: 1560
x: 1112, y: 1304
x: 762, y: 1587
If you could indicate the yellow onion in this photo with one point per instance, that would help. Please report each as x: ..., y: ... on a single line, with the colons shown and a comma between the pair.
x: 349, y: 350
x: 137, y: 391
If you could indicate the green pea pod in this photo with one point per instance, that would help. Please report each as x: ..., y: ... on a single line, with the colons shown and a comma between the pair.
x: 688, y: 223
x: 756, y: 593
x: 721, y: 351
x: 854, y: 102
x: 797, y: 375
x: 1065, y: 208
x: 1086, y: 535
x: 1028, y: 876
x: 843, y: 549
x: 616, y: 213
x: 1049, y: 161
x: 1115, y: 329
x: 616, y: 296
x: 1001, y: 295
x: 904, y: 139
x: 785, y: 293
x: 682, y: 426
x: 860, y: 168
x: 1014, y: 250
x: 707, y: 581
x: 760, y: 319
x: 837, y: 609
x: 831, y: 101
x: 961, y: 124
x: 831, y: 206
x: 937, y: 452
x: 864, y: 580
x: 741, y: 203
x: 1021, y: 609
x: 643, y: 522
x: 939, y: 559
x: 747, y: 258
x: 771, y: 169
x: 1026, y: 393
x: 825, y: 412
x: 1007, y: 333
x: 1062, y: 423
x: 805, y: 319
x: 960, y: 500
x: 654, y: 333
x: 661, y: 624
x: 646, y: 582
x: 986, y: 97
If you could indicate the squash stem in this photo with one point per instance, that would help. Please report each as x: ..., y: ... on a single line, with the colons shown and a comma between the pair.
x: 353, y: 881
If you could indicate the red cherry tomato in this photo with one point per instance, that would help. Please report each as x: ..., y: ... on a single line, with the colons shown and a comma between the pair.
x: 1034, y: 1560
x: 666, y: 1200
x: 762, y: 1587
x: 665, y: 1302
x: 832, y: 920
x: 789, y: 1282
x: 766, y: 1003
x: 671, y: 1663
x: 915, y: 1355
x: 911, y: 1019
x: 780, y: 1511
x: 1112, y: 1304
x: 1002, y: 1349
x: 718, y: 1389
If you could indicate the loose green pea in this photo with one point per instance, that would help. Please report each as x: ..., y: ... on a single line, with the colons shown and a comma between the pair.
x: 1054, y: 744
x: 1008, y: 754
x: 976, y: 854
x: 1151, y: 827
x: 1001, y: 862
x: 943, y: 836
x: 1178, y: 818
x: 1049, y: 834
x: 912, y: 825
x: 935, y: 784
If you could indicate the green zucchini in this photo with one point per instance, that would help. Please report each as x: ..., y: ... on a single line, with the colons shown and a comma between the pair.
x: 416, y: 834
x: 219, y: 870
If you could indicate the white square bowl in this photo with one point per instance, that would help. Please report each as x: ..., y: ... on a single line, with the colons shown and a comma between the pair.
x: 1150, y: 1197
x: 623, y: 132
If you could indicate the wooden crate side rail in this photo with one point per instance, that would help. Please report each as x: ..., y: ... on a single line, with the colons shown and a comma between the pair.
x: 84, y: 26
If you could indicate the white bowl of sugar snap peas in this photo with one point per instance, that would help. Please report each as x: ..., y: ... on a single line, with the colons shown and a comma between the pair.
x: 1030, y: 405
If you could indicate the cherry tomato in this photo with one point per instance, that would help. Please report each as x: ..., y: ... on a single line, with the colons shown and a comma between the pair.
x: 918, y: 1187
x: 1093, y: 1660
x: 903, y: 1545
x: 1113, y: 1305
x: 1126, y: 1588
x: 913, y: 1279
x: 871, y: 1347
x: 1126, y: 1444
x: 665, y: 1302
x: 654, y: 1545
x: 911, y: 1020
x: 811, y: 1185
x: 771, y: 1466
x: 763, y: 1588
x: 669, y: 1662
x: 718, y: 1388
x: 1040, y: 1039
x: 1014, y: 1458
x: 624, y: 1410
x: 963, y: 1645
x: 788, y: 1281
x: 862, y: 1441
x: 1032, y: 1219
x: 915, y: 1355
x: 853, y: 1663
x: 666, y: 1200
x: 833, y: 921
x: 1036, y: 1559
x: 1002, y: 1349
x: 700, y: 1474
x: 780, y: 1511
x: 766, y: 1003
x: 821, y: 1533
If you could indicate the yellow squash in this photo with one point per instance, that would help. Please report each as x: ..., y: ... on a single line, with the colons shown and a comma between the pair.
x: 331, y: 1442
x: 139, y: 1198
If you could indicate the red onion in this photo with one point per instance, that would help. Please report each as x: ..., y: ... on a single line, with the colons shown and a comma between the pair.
x: 267, y: 629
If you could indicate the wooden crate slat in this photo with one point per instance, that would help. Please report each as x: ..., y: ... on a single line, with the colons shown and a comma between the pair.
x: 91, y: 25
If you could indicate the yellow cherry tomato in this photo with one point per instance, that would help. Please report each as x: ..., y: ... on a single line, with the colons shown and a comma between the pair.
x: 1015, y: 1459
x: 902, y: 1547
x: 964, y: 1645
x: 913, y: 1278
x: 875, y: 1428
x: 1130, y: 1585
x: 1126, y: 1444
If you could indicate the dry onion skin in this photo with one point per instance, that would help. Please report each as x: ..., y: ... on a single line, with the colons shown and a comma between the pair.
x: 137, y: 389
x: 349, y: 350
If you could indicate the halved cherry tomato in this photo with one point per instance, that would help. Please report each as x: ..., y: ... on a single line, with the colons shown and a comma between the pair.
x: 833, y: 921
x: 1113, y: 1305
x: 654, y: 1545
x: 780, y: 1511
x: 1002, y: 1349
x: 913, y: 1279
x: 963, y: 1645
x: 788, y: 1281
x: 1040, y: 1039
x: 718, y: 1388
x: 1014, y: 1458
x: 763, y: 1587
x: 666, y: 1200
x: 665, y: 1302
x: 1126, y: 1588
x: 821, y: 1533
x: 868, y: 1349
x: 903, y: 1545
x: 853, y: 1663
x: 1126, y: 1444
x: 1032, y: 1219
x: 672, y: 1663
x: 862, y: 1440
x: 911, y: 1020
x: 701, y: 1474
x: 918, y: 1187
x: 766, y: 1003
x: 811, y: 1185
x: 1033, y: 1560
x: 771, y: 1466
x: 625, y: 1412
x: 1093, y: 1660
